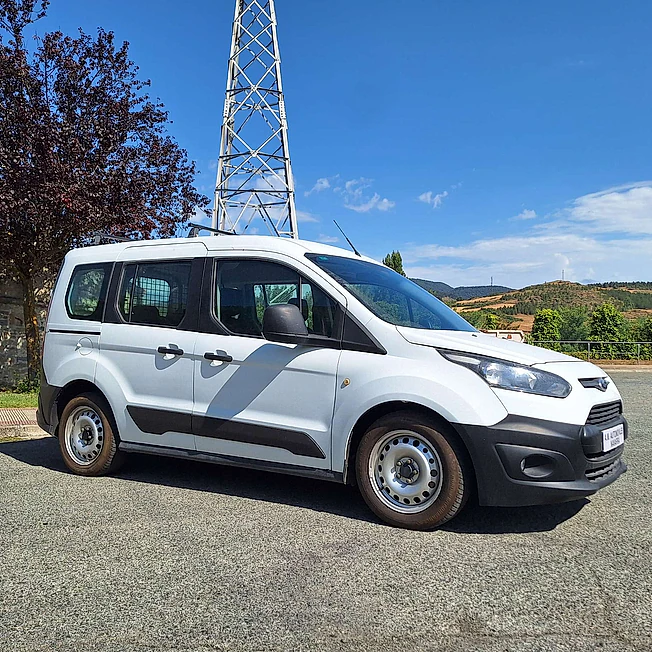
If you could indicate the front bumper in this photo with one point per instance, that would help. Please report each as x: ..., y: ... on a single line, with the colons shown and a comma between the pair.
x: 523, y: 461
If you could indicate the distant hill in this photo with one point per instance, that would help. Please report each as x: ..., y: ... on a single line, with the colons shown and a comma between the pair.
x: 461, y: 293
x: 517, y: 307
x: 562, y: 294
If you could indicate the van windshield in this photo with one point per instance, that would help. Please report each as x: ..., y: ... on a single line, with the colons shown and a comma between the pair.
x: 390, y: 296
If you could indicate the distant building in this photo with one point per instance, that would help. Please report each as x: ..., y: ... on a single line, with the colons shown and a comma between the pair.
x: 13, y: 354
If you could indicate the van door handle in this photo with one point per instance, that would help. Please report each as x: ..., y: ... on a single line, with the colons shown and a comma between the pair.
x: 166, y: 351
x: 222, y: 356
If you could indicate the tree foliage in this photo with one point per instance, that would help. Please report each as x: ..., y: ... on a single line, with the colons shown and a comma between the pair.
x: 546, y: 326
x: 574, y: 324
x: 492, y: 321
x: 395, y: 262
x: 486, y: 320
x: 644, y: 330
x: 83, y: 148
x: 606, y: 324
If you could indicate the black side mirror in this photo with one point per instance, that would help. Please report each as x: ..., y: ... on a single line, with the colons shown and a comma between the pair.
x: 284, y: 323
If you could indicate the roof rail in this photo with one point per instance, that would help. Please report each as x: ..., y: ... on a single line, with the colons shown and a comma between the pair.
x: 99, y: 237
x: 196, y: 228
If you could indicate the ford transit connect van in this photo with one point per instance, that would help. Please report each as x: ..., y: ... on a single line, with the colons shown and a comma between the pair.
x: 301, y: 358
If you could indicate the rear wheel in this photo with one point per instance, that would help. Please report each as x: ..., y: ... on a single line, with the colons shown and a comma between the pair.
x: 87, y: 436
x: 411, y: 473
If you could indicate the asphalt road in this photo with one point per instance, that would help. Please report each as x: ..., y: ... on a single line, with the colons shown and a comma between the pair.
x: 185, y: 556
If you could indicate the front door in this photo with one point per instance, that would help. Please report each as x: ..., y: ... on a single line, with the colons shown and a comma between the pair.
x: 146, y: 355
x: 262, y: 400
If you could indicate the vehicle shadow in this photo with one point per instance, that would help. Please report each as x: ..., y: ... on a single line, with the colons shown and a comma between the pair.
x: 513, y: 520
x: 318, y: 495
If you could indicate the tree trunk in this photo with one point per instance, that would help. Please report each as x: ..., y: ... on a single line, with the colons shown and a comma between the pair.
x: 32, y: 332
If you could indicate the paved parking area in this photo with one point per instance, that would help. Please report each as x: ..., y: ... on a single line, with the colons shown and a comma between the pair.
x: 184, y: 556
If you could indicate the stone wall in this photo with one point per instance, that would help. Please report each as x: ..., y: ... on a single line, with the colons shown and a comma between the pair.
x: 13, y: 356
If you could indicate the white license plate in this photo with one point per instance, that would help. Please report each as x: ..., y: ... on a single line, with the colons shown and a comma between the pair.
x: 613, y: 437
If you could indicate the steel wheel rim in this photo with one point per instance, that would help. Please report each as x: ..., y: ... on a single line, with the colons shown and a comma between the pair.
x: 405, y: 472
x: 84, y: 435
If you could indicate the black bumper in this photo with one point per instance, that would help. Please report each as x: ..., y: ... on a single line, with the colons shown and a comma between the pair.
x: 522, y: 461
x: 47, y: 414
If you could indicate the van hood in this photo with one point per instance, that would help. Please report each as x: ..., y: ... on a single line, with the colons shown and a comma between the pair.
x: 483, y: 344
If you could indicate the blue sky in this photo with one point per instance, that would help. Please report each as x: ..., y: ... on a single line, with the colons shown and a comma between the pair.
x: 502, y: 138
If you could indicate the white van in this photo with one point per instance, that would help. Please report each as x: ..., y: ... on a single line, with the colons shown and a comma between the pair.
x: 297, y: 357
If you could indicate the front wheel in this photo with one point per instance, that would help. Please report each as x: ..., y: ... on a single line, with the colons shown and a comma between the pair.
x: 411, y: 473
x: 87, y: 436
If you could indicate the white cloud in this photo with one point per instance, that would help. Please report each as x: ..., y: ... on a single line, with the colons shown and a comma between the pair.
x: 525, y: 214
x: 434, y: 200
x: 328, y: 239
x: 375, y: 202
x: 519, y: 261
x: 604, y: 236
x: 321, y: 184
x: 354, y: 188
x: 304, y: 216
x: 357, y: 200
x: 385, y: 204
x: 624, y: 209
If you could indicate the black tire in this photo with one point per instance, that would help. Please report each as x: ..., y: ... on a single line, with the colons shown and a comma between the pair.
x: 450, y: 471
x: 101, y: 456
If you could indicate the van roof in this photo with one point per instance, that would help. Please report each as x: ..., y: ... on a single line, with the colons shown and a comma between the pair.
x: 294, y: 247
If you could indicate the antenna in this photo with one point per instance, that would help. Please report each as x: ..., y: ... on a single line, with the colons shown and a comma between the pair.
x: 254, y: 175
x: 355, y: 251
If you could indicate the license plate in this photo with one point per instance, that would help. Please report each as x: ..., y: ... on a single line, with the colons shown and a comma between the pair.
x: 613, y: 437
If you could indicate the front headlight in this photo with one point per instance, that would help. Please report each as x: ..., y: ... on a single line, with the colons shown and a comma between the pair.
x: 508, y: 375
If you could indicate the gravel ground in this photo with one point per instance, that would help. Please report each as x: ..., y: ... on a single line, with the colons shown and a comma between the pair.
x: 184, y: 556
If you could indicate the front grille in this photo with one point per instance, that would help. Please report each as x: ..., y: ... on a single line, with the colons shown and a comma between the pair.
x: 595, y: 475
x: 604, y: 413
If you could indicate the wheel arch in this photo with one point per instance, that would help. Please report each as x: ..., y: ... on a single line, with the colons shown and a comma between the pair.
x: 382, y: 409
x: 73, y: 389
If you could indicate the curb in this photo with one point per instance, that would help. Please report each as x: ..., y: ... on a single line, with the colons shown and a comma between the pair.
x: 642, y: 369
x: 9, y: 433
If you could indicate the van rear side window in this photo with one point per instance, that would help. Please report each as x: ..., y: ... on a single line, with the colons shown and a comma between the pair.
x: 87, y: 291
x: 154, y: 294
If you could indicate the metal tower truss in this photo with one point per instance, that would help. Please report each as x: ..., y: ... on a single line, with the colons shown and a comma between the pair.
x: 254, y: 175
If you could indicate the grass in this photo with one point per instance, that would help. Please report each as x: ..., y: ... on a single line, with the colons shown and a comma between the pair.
x: 12, y: 400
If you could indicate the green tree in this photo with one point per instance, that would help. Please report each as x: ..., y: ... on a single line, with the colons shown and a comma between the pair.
x: 475, y: 318
x: 644, y: 334
x: 83, y: 148
x: 491, y: 321
x: 645, y: 330
x: 546, y: 326
x: 395, y: 262
x: 574, y: 324
x: 606, y: 324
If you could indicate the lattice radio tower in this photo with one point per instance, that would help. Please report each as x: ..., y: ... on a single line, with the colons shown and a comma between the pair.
x: 254, y: 176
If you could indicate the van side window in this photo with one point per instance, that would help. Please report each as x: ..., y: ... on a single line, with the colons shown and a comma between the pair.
x: 87, y: 291
x: 154, y: 294
x: 245, y: 288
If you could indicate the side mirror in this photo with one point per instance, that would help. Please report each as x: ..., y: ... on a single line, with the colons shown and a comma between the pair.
x: 284, y: 323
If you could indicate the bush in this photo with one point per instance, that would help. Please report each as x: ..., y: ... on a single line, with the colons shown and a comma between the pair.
x: 26, y: 386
